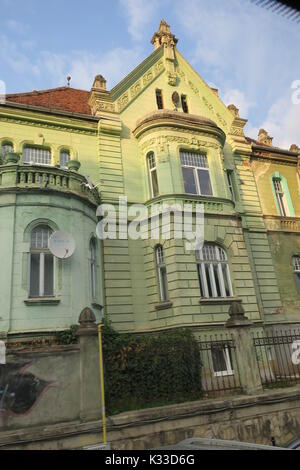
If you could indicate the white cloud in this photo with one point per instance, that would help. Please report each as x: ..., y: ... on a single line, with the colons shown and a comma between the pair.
x: 139, y: 13
x: 239, y: 99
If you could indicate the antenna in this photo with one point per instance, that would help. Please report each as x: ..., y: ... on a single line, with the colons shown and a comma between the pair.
x: 69, y: 79
x: 62, y: 245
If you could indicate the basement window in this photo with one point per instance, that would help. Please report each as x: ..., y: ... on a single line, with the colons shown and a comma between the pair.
x: 222, y: 360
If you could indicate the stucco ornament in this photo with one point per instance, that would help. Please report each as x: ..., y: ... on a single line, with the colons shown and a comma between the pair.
x: 264, y: 138
x: 87, y: 321
x: 237, y: 316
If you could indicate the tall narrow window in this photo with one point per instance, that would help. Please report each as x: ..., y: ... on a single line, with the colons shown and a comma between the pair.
x: 93, y: 268
x: 159, y: 99
x: 296, y: 264
x: 152, y: 174
x: 213, y: 271
x: 161, y: 274
x: 38, y: 155
x: 281, y: 197
x: 6, y: 147
x: 230, y: 183
x: 184, y: 104
x: 64, y: 158
x: 41, y: 263
x: 195, y: 174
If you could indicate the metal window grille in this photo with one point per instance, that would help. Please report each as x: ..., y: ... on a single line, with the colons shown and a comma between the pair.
x: 36, y: 155
x: 278, y: 356
x: 220, y: 372
x: 193, y: 159
x: 296, y: 264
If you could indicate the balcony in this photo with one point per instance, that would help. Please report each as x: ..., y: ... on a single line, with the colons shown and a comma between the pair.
x: 282, y: 224
x: 38, y: 178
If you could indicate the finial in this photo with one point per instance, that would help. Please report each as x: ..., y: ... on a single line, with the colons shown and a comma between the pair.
x: 99, y: 83
x: 233, y: 109
x: 164, y: 36
x: 69, y: 79
x: 264, y: 138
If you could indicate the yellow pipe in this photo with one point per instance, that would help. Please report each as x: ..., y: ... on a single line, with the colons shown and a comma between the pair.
x: 102, y: 383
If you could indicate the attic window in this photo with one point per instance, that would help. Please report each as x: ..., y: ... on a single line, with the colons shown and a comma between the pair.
x: 184, y: 104
x: 159, y: 99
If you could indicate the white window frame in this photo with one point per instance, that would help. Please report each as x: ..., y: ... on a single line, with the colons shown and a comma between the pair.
x: 42, y: 251
x: 229, y: 368
x: 152, y: 168
x: 281, y: 197
x: 197, y: 162
x: 66, y: 152
x: 36, y: 149
x: 161, y: 274
x: 211, y: 255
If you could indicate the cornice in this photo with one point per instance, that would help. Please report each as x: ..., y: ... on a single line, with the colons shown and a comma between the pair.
x: 47, y: 120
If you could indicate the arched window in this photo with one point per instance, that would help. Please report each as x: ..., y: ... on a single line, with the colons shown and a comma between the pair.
x: 151, y: 162
x: 161, y: 274
x: 64, y: 158
x: 213, y: 271
x: 296, y: 264
x: 6, y: 147
x: 38, y: 155
x: 93, y: 269
x: 41, y: 263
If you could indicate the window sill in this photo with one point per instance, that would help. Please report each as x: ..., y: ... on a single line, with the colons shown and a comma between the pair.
x: 219, y: 301
x: 42, y: 301
x: 163, y: 305
x: 229, y: 373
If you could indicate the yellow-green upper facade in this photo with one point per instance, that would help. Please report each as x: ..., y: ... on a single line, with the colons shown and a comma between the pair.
x: 114, y: 144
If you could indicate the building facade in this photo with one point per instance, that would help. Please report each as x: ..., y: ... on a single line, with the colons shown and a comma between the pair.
x: 161, y: 136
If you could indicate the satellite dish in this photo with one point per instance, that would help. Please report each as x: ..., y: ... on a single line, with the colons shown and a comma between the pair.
x: 62, y: 245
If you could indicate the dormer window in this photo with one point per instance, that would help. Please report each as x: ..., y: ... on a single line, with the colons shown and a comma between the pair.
x: 37, y: 155
x: 64, y: 158
x: 184, y: 104
x: 159, y: 99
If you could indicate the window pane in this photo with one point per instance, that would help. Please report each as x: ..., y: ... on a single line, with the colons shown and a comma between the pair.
x: 297, y: 275
x: 36, y: 155
x: 209, y: 286
x: 218, y: 357
x: 163, y: 280
x: 64, y: 158
x: 34, y: 290
x: 5, y: 149
x: 201, y: 281
x: 48, y: 273
x: 225, y: 279
x: 40, y: 237
x: 189, y: 180
x: 216, y: 273
x: 154, y: 181
x: 204, y: 181
x: 159, y: 99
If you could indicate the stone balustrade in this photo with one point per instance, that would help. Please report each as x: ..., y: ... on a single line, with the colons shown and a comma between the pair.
x: 45, y: 178
x: 282, y: 224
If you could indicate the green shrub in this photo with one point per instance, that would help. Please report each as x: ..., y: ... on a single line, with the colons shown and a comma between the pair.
x: 148, y: 370
x: 68, y: 336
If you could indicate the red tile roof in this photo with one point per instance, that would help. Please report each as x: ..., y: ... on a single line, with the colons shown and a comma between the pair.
x: 63, y: 99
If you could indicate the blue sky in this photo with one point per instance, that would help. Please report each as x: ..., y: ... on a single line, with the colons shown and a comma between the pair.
x: 250, y: 54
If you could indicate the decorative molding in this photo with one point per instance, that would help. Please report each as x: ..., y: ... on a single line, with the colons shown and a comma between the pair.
x: 48, y: 125
x: 193, y: 140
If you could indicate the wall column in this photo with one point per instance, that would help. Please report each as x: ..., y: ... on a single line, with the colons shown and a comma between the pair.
x: 245, y: 349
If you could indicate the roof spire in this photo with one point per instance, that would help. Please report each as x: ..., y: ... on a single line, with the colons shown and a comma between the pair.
x: 164, y: 36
